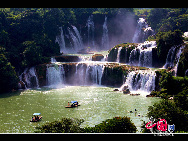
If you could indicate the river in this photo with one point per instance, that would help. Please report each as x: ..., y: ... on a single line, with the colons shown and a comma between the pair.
x: 98, y: 103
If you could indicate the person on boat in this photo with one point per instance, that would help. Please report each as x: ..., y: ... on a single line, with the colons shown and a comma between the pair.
x: 72, y: 105
x: 37, y: 118
x: 68, y: 104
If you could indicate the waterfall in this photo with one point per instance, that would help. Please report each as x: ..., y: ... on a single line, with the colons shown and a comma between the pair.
x: 61, y: 41
x: 142, y: 55
x: 118, y: 54
x: 29, y: 78
x: 55, y: 76
x: 145, y: 58
x: 142, y: 80
x: 88, y: 74
x: 96, y: 73
x: 76, y: 38
x: 178, y: 58
x: 143, y: 31
x: 105, y: 39
x: 53, y: 60
x: 91, y: 29
x: 81, y: 74
x: 141, y: 23
x: 170, y: 58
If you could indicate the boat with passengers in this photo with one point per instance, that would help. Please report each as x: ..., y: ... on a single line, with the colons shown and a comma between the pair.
x: 72, y: 104
x: 36, y: 117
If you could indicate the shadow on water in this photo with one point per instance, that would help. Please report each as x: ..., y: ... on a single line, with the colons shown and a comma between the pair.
x: 10, y: 94
x: 18, y: 92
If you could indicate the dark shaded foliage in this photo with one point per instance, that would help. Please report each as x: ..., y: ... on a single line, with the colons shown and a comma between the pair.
x: 69, y: 125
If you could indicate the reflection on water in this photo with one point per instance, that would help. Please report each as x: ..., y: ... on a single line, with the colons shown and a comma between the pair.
x: 97, y: 105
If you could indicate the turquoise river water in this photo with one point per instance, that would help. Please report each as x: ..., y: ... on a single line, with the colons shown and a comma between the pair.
x: 98, y: 103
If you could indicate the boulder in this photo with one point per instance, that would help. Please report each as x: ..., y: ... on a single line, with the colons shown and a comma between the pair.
x: 125, y: 87
x: 126, y: 91
x: 97, y: 57
x: 116, y: 90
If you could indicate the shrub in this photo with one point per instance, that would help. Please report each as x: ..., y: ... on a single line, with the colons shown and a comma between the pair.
x: 115, y: 125
x: 66, y: 125
x: 70, y: 125
x: 171, y: 113
x: 165, y: 40
x: 8, y: 77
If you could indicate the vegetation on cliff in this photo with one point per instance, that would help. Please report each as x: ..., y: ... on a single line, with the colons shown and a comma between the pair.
x: 173, y: 111
x: 182, y: 69
x: 166, y: 19
x: 169, y: 85
x: 8, y: 77
x: 166, y: 40
x: 125, y: 52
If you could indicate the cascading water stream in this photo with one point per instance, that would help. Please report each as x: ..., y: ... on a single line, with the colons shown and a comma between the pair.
x: 76, y: 38
x: 105, y: 39
x: 89, y: 74
x: 55, y: 76
x: 84, y: 74
x: 61, y: 41
x: 91, y: 29
x: 53, y: 60
x: 140, y: 35
x: 140, y: 81
x: 139, y: 27
x: 118, y: 54
x: 170, y: 58
x: 80, y: 43
x: 142, y: 55
x: 173, y: 57
x: 178, y: 58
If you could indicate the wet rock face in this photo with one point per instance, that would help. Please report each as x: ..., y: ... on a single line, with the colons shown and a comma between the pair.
x: 67, y: 58
x: 112, y: 76
x: 41, y: 74
x: 127, y: 91
x: 97, y: 57
x: 124, y: 50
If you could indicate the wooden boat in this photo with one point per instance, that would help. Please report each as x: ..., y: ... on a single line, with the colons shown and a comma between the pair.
x: 70, y: 106
x: 36, y: 117
x: 73, y: 105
